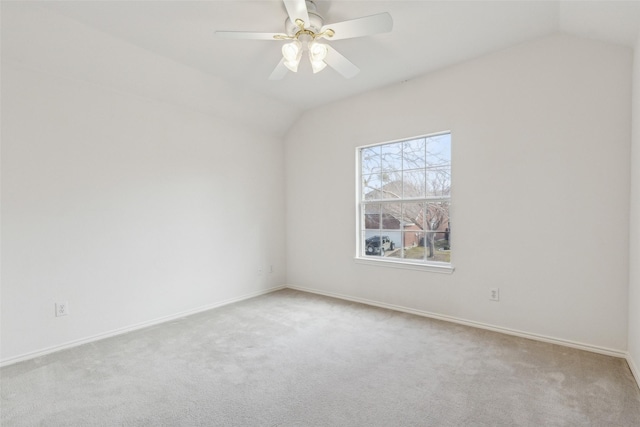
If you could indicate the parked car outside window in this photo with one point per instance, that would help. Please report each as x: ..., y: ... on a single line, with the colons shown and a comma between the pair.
x: 378, y: 245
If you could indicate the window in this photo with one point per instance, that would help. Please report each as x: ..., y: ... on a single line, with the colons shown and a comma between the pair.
x: 404, y: 198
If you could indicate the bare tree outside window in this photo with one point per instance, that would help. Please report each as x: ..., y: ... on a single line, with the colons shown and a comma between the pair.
x: 405, y: 199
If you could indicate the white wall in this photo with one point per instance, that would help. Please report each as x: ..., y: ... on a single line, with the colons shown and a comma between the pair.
x: 634, y: 270
x: 131, y: 208
x: 541, y: 140
x: 44, y: 40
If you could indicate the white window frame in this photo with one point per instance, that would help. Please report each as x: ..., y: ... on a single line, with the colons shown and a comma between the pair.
x: 403, y: 263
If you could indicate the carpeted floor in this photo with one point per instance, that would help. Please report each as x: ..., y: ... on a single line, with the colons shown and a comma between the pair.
x: 296, y: 359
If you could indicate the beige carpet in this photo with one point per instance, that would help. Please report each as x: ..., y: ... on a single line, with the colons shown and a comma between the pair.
x: 295, y: 359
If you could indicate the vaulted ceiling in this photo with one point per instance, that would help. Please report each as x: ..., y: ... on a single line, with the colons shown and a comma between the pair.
x: 427, y: 35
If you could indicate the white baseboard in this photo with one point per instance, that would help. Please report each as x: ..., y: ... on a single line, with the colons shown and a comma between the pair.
x: 634, y: 369
x: 581, y: 346
x: 480, y: 325
x: 126, y: 329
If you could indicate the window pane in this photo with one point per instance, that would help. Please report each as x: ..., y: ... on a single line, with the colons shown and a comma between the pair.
x: 413, y: 154
x: 439, y: 182
x: 390, y: 242
x: 414, y: 245
x: 371, y: 213
x: 391, y: 157
x: 379, y: 245
x: 437, y: 248
x: 414, y: 184
x: 370, y: 160
x: 371, y: 234
x: 392, y: 185
x: 391, y: 216
x: 371, y: 186
x: 371, y: 245
x: 413, y: 216
x: 437, y: 216
x: 439, y: 150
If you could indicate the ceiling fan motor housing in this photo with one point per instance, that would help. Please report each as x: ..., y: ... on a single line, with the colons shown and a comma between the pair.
x: 315, y: 25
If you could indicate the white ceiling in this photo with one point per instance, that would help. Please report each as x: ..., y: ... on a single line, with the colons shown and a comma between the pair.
x: 427, y: 35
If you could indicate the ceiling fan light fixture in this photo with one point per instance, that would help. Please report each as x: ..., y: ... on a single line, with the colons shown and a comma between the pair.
x: 292, y: 51
x: 292, y: 65
x: 304, y: 27
x: 318, y: 66
x: 317, y: 51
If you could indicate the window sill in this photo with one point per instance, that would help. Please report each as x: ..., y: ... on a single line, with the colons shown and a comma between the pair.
x: 434, y: 268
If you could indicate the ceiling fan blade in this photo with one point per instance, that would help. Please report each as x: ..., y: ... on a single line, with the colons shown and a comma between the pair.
x: 279, y: 72
x: 249, y: 35
x: 341, y: 64
x: 366, y: 26
x: 297, y: 9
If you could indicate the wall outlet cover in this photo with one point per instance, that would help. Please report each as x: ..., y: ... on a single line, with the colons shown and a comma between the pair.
x: 62, y: 309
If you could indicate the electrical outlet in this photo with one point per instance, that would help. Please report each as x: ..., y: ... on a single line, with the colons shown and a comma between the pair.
x: 62, y: 309
x: 494, y: 294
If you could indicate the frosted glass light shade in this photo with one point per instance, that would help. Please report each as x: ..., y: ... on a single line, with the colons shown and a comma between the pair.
x: 292, y: 51
x: 317, y: 51
x: 292, y: 65
x: 317, y: 66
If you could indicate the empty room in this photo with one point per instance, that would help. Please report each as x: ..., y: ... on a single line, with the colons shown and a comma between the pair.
x: 320, y: 213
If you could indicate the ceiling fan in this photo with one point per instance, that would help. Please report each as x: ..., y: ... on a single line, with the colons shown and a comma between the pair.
x: 305, y: 28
